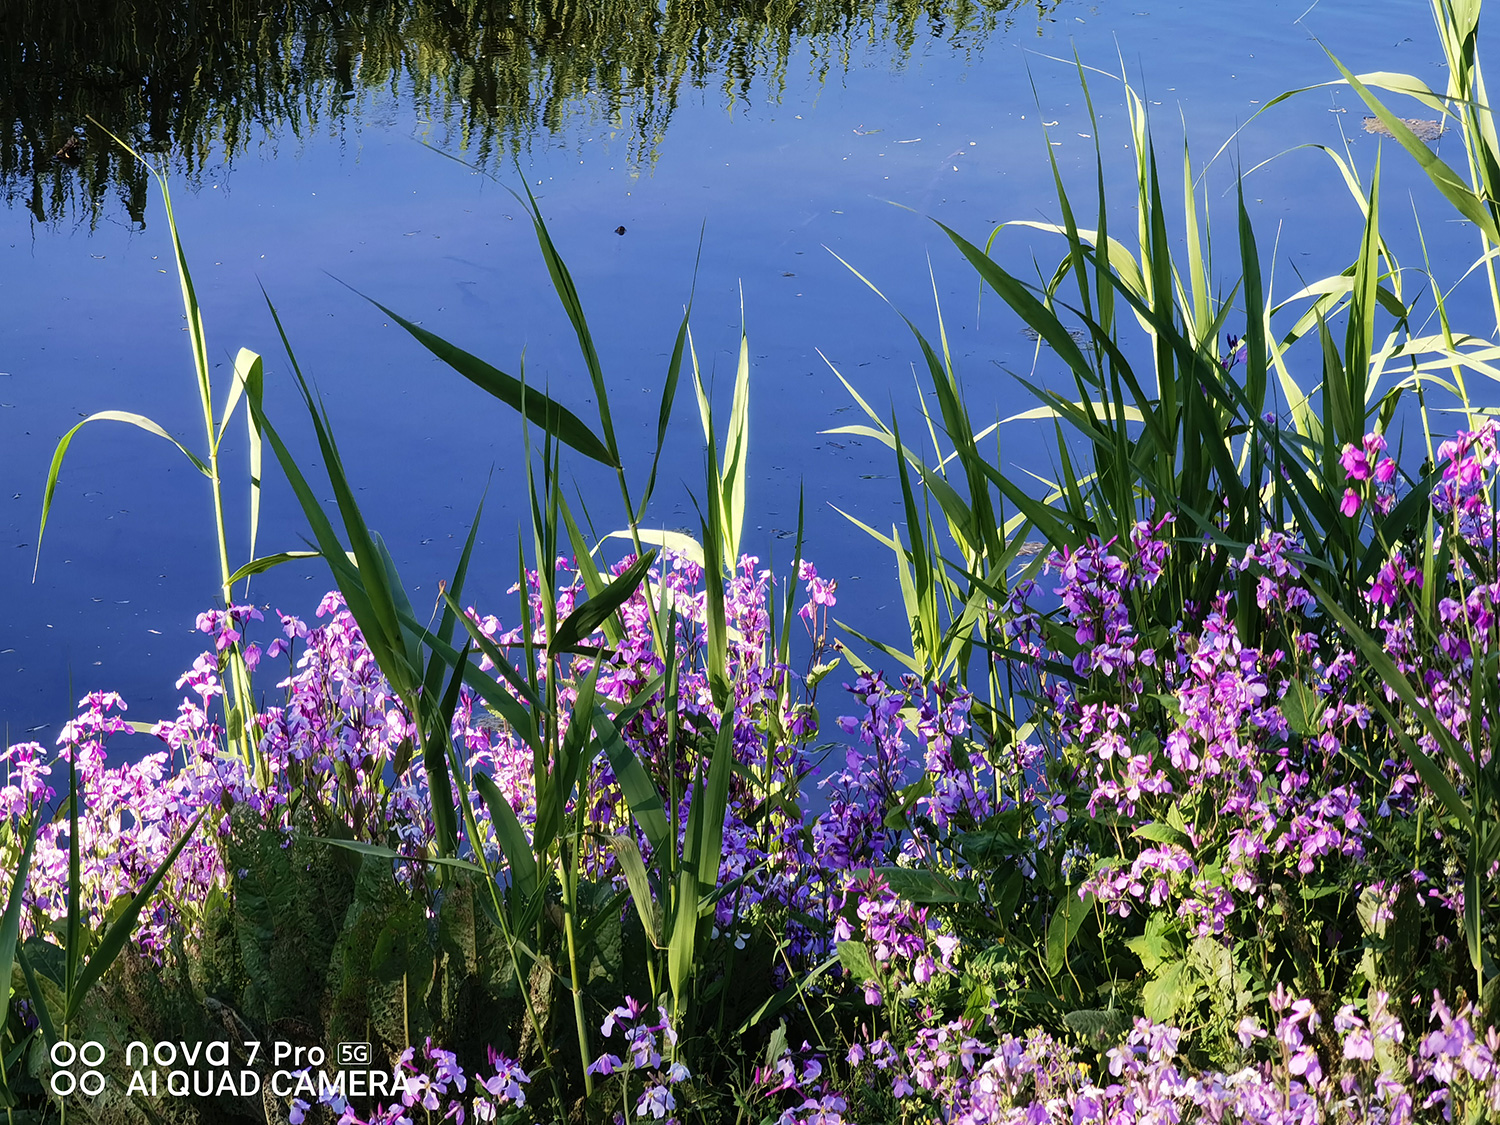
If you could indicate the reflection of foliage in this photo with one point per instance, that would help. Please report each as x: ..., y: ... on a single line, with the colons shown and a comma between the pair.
x: 186, y: 80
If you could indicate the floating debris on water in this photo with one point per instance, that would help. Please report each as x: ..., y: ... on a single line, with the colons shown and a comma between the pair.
x: 1425, y: 130
x: 1075, y: 334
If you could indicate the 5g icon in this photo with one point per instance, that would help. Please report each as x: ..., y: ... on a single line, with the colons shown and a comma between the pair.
x: 64, y: 1055
x: 354, y: 1054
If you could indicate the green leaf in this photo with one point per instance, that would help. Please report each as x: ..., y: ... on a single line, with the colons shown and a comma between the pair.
x: 38, y: 993
x: 591, y: 614
x: 249, y: 374
x: 140, y: 421
x: 628, y: 853
x: 567, y: 293
x: 10, y: 923
x: 1160, y: 833
x: 1067, y: 920
x: 1303, y: 708
x: 679, y: 543
x: 266, y: 562
x: 508, y: 833
x: 640, y: 792
x: 1156, y: 945
x: 537, y: 408
x: 736, y: 455
x: 927, y: 888
x: 119, y: 932
x: 1444, y: 178
x: 381, y: 852
x: 906, y: 799
x: 855, y: 957
x: 1167, y: 993
x: 710, y: 822
x: 795, y: 989
x: 668, y: 398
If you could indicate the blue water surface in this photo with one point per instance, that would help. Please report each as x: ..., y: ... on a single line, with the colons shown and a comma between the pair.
x: 777, y: 185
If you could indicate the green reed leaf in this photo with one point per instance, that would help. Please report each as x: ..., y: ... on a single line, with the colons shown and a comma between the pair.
x: 140, y: 421
x: 118, y: 933
x: 10, y: 923
x: 510, y: 836
x: 552, y: 417
x: 596, y: 610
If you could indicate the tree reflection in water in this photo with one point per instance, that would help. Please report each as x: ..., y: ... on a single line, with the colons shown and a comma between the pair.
x: 194, y: 81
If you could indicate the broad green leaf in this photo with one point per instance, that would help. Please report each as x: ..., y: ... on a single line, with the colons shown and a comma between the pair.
x: 1160, y: 833
x: 1167, y: 993
x: 927, y: 888
x: 1155, y: 945
x: 855, y: 958
x: 1067, y: 920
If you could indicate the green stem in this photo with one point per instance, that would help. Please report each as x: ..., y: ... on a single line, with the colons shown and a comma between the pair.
x: 570, y: 903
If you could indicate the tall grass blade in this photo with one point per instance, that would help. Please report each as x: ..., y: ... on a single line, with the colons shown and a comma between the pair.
x: 140, y: 421
x: 596, y: 610
x: 10, y: 924
x: 640, y: 792
x: 119, y: 931
x: 567, y: 292
x: 510, y: 836
x: 550, y: 416
x: 1443, y: 177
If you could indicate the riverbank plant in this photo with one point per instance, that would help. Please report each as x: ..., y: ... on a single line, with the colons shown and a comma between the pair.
x: 1176, y: 803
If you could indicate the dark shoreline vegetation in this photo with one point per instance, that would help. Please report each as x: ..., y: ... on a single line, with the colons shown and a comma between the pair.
x: 191, y: 83
x: 1179, y: 801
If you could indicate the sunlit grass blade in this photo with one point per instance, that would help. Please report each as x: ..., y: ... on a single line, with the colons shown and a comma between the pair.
x: 1443, y: 177
x: 628, y: 855
x: 537, y: 408
x: 140, y: 421
x: 450, y: 613
x: 668, y: 395
x: 736, y: 454
x: 375, y: 597
x: 567, y: 292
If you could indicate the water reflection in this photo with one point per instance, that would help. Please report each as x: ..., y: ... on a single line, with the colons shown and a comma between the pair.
x: 197, y: 81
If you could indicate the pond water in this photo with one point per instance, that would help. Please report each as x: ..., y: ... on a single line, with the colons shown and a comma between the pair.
x: 306, y: 140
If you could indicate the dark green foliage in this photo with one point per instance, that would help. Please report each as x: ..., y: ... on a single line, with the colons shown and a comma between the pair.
x: 382, y: 966
x: 289, y: 907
